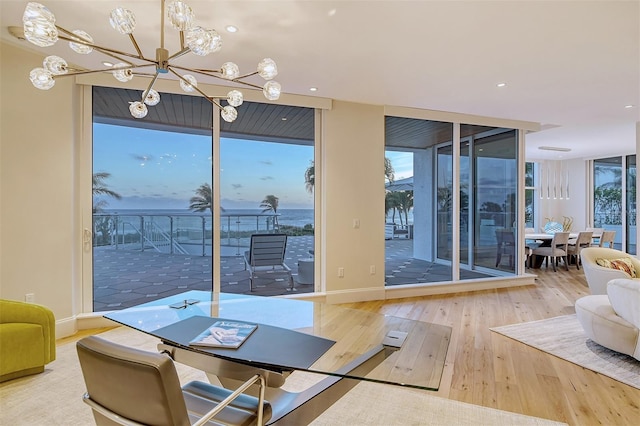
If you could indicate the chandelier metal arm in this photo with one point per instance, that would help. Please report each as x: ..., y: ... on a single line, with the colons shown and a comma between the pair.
x: 135, y: 45
x: 107, y: 51
x: 150, y: 86
x: 179, y: 53
x: 209, y: 98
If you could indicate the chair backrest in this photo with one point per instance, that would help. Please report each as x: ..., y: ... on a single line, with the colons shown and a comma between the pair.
x: 140, y: 386
x: 267, y: 249
x: 597, y: 232
x: 560, y: 240
x: 584, y: 239
x: 606, y: 240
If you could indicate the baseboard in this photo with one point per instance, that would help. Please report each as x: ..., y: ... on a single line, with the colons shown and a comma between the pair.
x: 355, y: 295
x: 416, y: 290
x: 65, y: 327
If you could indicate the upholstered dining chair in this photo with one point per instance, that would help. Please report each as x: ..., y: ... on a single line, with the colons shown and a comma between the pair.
x: 606, y: 240
x: 575, y: 247
x: 557, y: 249
x: 129, y: 386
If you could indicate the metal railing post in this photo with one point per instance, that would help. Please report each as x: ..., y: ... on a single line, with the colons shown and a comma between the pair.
x: 171, y: 234
x: 204, y: 236
x: 141, y: 233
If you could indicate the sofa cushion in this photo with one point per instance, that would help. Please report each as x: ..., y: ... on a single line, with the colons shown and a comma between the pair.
x: 624, y: 296
x: 623, y: 264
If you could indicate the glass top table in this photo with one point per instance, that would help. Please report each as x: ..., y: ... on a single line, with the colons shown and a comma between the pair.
x: 296, y: 335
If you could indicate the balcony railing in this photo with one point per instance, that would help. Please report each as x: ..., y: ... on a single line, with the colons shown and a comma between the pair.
x: 179, y: 233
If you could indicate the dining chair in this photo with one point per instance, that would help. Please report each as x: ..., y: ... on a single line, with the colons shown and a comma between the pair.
x: 597, y: 233
x: 557, y: 249
x: 129, y: 386
x: 606, y: 240
x: 574, y: 248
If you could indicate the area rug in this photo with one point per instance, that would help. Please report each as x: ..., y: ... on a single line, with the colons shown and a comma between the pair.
x: 54, y: 398
x: 563, y: 337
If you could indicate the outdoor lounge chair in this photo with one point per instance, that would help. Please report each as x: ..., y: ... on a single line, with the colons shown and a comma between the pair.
x: 266, y: 255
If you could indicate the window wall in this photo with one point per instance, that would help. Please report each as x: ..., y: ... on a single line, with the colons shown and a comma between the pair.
x: 614, y: 199
x: 487, y: 192
x: 153, y: 197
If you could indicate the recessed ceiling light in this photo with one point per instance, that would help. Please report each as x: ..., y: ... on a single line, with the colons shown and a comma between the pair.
x: 107, y: 64
x: 284, y: 118
x: 314, y: 89
x: 629, y: 106
x: 501, y: 84
x: 231, y: 28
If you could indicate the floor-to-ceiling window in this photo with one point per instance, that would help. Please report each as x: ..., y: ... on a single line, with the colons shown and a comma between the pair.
x: 152, y: 199
x: 267, y: 184
x: 631, y: 205
x: 614, y: 199
x: 493, y: 181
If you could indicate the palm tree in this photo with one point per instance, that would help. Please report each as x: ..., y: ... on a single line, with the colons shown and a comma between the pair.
x: 270, y: 204
x: 389, y: 173
x: 99, y: 187
x: 202, y: 200
x: 310, y: 174
x: 310, y: 177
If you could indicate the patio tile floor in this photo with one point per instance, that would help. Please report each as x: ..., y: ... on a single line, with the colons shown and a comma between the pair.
x: 124, y: 278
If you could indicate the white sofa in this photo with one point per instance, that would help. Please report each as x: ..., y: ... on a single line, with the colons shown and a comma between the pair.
x: 613, y: 319
x: 598, y: 276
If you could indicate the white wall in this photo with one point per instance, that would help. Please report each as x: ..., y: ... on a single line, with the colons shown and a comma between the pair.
x: 353, y: 190
x: 38, y: 242
x: 576, y: 207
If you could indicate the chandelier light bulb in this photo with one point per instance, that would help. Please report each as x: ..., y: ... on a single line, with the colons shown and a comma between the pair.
x: 138, y: 109
x: 189, y: 87
x: 202, y: 42
x: 180, y: 15
x: 39, y: 25
x: 37, y: 12
x: 55, y: 65
x: 41, y: 78
x: 122, y: 20
x: 229, y: 114
x: 271, y: 90
x: 153, y: 98
x: 82, y: 48
x: 230, y: 71
x: 122, y: 75
x: 267, y: 68
x: 235, y: 98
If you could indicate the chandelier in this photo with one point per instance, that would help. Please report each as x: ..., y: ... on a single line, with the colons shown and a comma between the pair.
x: 40, y: 28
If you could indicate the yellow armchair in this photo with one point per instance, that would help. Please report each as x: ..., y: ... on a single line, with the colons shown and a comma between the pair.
x: 27, y: 339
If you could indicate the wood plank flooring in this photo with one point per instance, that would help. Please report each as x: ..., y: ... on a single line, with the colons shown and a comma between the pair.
x: 488, y: 369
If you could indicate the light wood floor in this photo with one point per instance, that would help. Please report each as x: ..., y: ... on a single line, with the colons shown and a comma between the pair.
x: 488, y: 369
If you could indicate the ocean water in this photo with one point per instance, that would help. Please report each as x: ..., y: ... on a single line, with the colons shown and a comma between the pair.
x: 231, y: 219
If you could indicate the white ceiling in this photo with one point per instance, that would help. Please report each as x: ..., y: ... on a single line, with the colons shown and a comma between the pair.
x: 572, y: 66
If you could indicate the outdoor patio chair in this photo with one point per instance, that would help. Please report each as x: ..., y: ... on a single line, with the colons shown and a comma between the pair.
x: 266, y: 255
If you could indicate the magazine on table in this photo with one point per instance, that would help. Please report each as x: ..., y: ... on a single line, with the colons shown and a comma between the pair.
x: 224, y: 334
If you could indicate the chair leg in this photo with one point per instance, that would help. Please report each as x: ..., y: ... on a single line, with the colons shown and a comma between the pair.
x: 553, y: 262
x: 566, y: 262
